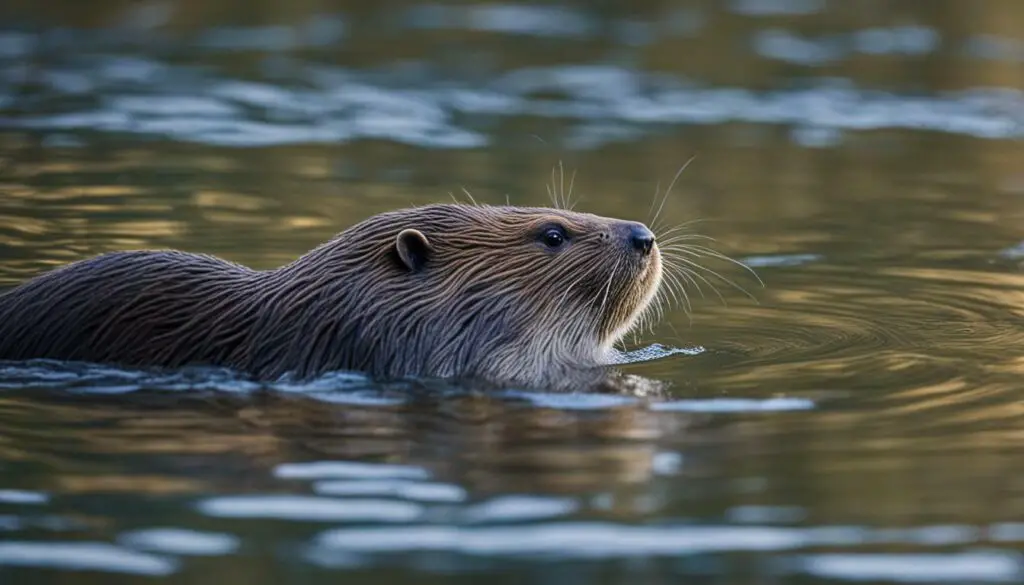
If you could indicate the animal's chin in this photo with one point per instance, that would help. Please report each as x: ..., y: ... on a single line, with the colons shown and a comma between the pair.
x: 650, y: 282
x: 635, y: 299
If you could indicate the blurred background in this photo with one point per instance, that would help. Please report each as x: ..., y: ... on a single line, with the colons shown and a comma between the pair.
x: 856, y: 419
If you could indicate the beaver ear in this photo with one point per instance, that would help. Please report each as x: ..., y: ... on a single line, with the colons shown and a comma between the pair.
x: 413, y: 248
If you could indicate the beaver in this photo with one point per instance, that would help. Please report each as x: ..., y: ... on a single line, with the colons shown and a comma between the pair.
x: 516, y: 295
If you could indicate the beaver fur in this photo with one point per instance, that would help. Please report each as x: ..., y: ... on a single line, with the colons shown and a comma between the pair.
x: 509, y: 294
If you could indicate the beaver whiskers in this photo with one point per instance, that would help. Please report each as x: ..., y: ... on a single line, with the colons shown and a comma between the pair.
x: 680, y: 261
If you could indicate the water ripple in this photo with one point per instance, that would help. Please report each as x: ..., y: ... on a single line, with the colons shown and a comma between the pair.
x: 775, y: 7
x: 734, y: 405
x: 781, y: 260
x: 519, y: 508
x: 596, y: 540
x: 84, y: 556
x: 972, y: 566
x: 561, y: 540
x: 179, y: 541
x: 401, y: 489
x: 785, y: 46
x: 346, y: 105
x: 1013, y: 252
x: 348, y: 469
x: 933, y: 319
x: 310, y: 509
x: 22, y: 497
x: 88, y: 378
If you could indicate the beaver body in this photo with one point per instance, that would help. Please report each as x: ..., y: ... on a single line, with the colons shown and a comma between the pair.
x: 510, y: 294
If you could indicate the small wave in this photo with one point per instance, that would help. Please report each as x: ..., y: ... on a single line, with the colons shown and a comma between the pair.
x: 972, y: 566
x: 597, y: 540
x: 179, y: 541
x: 84, y: 556
x: 561, y: 540
x: 402, y: 489
x: 1007, y: 532
x: 23, y: 497
x: 348, y: 469
x: 353, y: 389
x: 734, y: 405
x: 90, y: 378
x: 1013, y: 252
x: 518, y: 509
x: 781, y: 260
x: 782, y: 45
x: 652, y: 352
x: 765, y: 514
x: 310, y: 509
x: 666, y: 463
x: 602, y: 102
x: 777, y: 7
x: 573, y: 401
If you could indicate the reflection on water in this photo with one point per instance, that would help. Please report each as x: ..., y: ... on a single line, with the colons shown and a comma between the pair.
x: 471, y: 482
x: 858, y: 419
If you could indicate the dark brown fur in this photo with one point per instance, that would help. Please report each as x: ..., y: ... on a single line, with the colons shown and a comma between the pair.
x: 482, y: 296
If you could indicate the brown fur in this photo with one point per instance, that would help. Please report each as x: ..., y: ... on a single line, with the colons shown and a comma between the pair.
x: 470, y: 291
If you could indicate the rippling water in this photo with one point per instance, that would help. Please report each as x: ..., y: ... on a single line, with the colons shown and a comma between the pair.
x: 856, y: 419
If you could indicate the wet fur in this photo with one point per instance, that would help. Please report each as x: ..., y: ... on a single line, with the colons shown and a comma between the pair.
x: 480, y: 297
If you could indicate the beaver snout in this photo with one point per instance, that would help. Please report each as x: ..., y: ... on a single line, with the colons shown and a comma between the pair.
x: 641, y: 238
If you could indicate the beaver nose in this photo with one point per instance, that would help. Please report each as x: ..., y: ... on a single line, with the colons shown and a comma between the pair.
x: 642, y: 238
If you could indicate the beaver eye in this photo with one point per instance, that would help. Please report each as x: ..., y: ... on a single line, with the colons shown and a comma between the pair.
x: 553, y: 237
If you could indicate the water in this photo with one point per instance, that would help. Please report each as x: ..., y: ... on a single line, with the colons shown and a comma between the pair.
x: 858, y: 420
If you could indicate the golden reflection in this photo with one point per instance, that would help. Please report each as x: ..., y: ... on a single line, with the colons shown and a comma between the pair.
x: 90, y: 208
x: 300, y: 222
x: 128, y: 484
x: 234, y: 218
x: 230, y: 201
x: 1014, y: 283
x: 148, y: 228
x: 1010, y: 366
x: 26, y: 225
x: 121, y: 243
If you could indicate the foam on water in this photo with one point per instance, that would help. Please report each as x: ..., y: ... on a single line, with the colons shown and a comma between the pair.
x: 655, y: 351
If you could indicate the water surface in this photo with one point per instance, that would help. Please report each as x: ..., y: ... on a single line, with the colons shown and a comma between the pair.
x: 857, y: 420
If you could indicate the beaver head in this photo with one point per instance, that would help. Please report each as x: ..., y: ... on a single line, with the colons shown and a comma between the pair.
x: 506, y: 293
